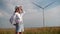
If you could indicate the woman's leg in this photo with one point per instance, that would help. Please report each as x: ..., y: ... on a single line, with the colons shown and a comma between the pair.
x: 20, y: 32
x: 17, y: 27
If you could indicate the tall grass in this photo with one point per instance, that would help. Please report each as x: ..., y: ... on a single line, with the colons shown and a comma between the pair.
x: 46, y: 30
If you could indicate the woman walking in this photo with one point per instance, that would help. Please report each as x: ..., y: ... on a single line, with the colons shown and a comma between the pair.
x: 17, y: 18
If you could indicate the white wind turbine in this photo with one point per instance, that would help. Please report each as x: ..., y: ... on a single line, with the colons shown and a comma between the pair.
x: 43, y: 10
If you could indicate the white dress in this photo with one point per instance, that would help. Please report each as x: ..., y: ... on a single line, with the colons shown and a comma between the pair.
x: 17, y: 18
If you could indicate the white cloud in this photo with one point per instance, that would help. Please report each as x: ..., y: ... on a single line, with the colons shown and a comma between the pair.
x: 32, y: 14
x: 27, y: 5
x: 0, y: 14
x: 52, y: 16
x: 53, y: 13
x: 3, y: 14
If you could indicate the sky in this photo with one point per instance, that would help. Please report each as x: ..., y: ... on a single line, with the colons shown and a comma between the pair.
x: 34, y: 15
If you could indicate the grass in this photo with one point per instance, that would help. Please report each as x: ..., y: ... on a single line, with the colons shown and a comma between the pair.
x: 44, y: 30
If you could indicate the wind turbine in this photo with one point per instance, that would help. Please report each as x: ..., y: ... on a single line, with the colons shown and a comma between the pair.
x: 43, y: 10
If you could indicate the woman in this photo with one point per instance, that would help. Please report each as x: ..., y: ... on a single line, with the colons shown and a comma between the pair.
x: 17, y: 18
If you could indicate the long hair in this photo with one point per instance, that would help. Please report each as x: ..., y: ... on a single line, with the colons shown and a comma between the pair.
x: 19, y: 8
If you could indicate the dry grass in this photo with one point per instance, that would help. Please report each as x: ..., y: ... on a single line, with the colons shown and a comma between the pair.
x: 45, y: 30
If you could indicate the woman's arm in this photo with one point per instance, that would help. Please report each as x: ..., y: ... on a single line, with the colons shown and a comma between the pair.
x: 12, y: 18
x: 23, y: 13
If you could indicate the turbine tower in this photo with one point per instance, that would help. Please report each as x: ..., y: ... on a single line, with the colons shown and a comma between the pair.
x: 43, y: 10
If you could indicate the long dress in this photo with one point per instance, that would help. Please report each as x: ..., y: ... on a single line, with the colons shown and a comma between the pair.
x: 17, y: 18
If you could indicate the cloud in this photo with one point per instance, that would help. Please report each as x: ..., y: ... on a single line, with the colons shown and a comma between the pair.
x: 33, y: 15
x: 27, y: 6
x: 0, y: 14
x: 52, y: 16
x: 3, y: 13
x: 53, y: 13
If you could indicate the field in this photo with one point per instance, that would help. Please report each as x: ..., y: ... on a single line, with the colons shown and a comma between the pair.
x: 43, y: 30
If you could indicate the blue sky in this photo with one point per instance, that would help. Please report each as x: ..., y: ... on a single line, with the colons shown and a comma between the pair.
x: 34, y: 14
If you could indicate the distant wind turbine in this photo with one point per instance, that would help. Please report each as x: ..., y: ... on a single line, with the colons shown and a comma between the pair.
x: 43, y: 9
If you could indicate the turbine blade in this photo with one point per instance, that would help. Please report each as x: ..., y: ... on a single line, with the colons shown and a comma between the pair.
x: 49, y: 4
x: 37, y: 5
